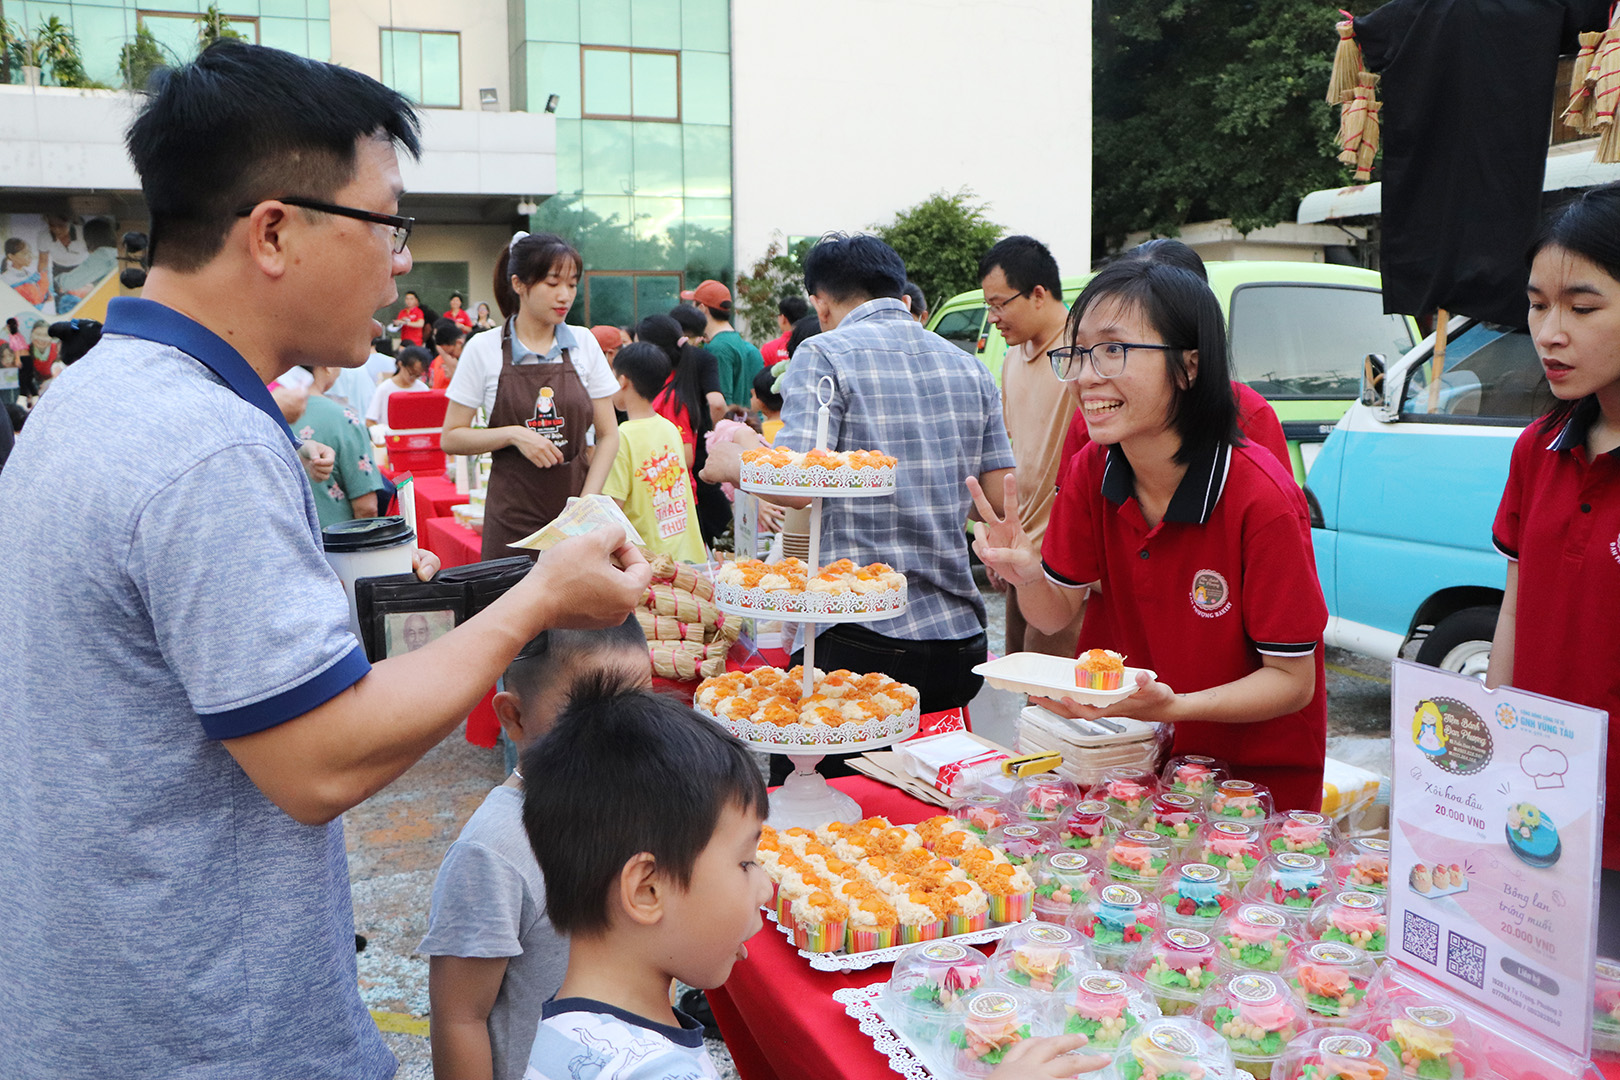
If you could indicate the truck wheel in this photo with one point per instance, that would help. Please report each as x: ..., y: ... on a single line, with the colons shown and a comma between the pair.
x: 1461, y: 642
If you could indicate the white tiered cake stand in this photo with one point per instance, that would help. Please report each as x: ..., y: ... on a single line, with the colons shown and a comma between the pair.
x: 805, y: 799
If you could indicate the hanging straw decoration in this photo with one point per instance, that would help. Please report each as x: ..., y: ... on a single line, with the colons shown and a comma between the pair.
x: 1347, y: 63
x: 1369, y: 142
x: 1578, y: 115
x: 1359, y: 127
x: 1604, y: 79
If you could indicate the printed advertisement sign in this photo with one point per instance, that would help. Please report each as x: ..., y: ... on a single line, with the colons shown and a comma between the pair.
x: 1495, y: 843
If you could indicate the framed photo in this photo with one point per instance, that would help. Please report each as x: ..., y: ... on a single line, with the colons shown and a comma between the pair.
x: 406, y: 631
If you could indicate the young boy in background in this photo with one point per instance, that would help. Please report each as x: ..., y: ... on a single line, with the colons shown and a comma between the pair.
x: 495, y: 957
x: 645, y: 817
x: 768, y: 403
x: 649, y: 479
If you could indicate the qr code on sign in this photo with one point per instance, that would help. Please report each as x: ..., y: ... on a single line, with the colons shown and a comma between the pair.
x: 1465, y: 958
x: 1421, y: 938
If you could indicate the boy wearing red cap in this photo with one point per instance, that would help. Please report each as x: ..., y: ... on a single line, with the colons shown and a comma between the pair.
x: 736, y: 358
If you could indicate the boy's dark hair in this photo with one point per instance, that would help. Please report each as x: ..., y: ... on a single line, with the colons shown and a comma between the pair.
x: 793, y: 308
x: 414, y: 300
x: 1025, y: 262
x: 244, y: 123
x: 412, y: 354
x: 625, y: 772
x: 919, y: 302
x: 383, y: 345
x: 763, y: 381
x: 15, y: 244
x: 718, y: 314
x: 1170, y: 252
x: 807, y: 327
x: 447, y: 332
x: 645, y: 366
x: 1181, y: 307
x: 553, y: 652
x: 1586, y: 227
x: 844, y: 268
x: 689, y: 319
x: 533, y: 258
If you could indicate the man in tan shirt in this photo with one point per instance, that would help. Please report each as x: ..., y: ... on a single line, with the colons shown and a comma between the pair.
x: 1025, y: 298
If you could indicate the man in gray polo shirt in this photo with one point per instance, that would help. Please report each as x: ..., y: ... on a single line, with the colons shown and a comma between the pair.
x: 183, y: 712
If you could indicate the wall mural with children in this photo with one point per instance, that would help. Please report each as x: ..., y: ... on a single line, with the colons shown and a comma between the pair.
x: 53, y: 262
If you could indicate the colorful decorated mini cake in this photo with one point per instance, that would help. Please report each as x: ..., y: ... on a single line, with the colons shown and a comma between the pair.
x: 927, y: 982
x: 1242, y: 800
x: 1336, y: 1053
x: 1009, y: 889
x: 1173, y: 1049
x: 1292, y: 880
x: 1179, y: 966
x: 1300, y: 830
x: 1064, y: 880
x: 1532, y: 836
x: 1023, y: 842
x: 980, y: 813
x: 1255, y: 937
x: 1105, y: 1008
x: 1045, y: 797
x: 1089, y: 826
x: 1352, y: 918
x: 1040, y: 957
x: 967, y: 908
x: 1117, y: 920
x: 1195, y: 775
x: 993, y: 1022
x: 1127, y: 792
x: 1100, y: 669
x: 819, y: 922
x: 1139, y: 857
x: 1233, y: 845
x: 1175, y: 815
x: 1363, y: 864
x: 1197, y: 896
x: 1426, y: 1039
x: 1258, y: 1015
x: 1332, y: 978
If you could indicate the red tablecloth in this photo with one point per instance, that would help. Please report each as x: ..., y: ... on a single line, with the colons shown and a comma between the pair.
x: 801, y: 1030
x: 435, y: 496
x: 455, y: 545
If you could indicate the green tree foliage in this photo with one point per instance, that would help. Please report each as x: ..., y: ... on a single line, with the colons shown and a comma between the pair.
x: 775, y: 275
x: 51, y: 47
x: 140, y: 57
x: 941, y: 239
x: 213, y: 26
x: 1209, y: 109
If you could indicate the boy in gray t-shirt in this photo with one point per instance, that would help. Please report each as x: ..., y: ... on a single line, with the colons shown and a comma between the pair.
x: 494, y: 957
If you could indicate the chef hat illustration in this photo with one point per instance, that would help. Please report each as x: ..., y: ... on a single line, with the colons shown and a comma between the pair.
x: 1545, y: 766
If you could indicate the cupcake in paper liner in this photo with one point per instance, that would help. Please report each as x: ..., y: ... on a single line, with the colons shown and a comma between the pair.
x: 1240, y: 800
x: 1089, y: 827
x: 1176, y: 816
x: 1258, y: 1014
x: 1427, y: 1039
x: 1009, y: 888
x: 922, y: 916
x: 1099, y: 669
x: 1352, y: 918
x: 1179, y: 966
x: 1128, y: 793
x: 1336, y: 1053
x: 1024, y: 842
x: 1139, y: 857
x: 819, y: 922
x: 1301, y: 830
x: 928, y: 981
x: 797, y: 882
x: 1233, y: 845
x: 1173, y: 1049
x: 1195, y: 775
x: 985, y: 1025
x: 1064, y: 880
x: 873, y: 924
x: 980, y: 814
x: 1196, y: 895
x: 1041, y: 958
x: 1291, y: 881
x: 967, y: 908
x: 1107, y: 1008
x: 1119, y: 920
x: 955, y: 840
x: 1333, y: 979
x: 1254, y: 937
x: 1363, y: 864
x: 1606, y: 1007
x: 1045, y: 797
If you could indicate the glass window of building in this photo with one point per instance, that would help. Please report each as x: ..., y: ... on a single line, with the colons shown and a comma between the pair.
x: 424, y: 65
x: 630, y: 84
x: 176, y: 34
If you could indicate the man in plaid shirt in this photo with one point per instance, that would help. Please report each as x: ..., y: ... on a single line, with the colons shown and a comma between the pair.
x: 911, y: 394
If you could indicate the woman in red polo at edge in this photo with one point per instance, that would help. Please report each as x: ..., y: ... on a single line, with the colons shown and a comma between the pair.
x: 1196, y: 543
x: 1559, y: 522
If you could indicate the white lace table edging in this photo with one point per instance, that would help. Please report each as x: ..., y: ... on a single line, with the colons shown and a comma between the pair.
x: 861, y: 1004
x: 872, y: 957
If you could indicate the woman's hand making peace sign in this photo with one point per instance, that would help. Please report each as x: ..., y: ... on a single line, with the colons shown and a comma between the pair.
x: 1002, y: 544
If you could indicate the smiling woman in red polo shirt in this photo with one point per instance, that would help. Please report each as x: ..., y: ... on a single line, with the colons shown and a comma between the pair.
x: 1196, y: 543
x: 1559, y: 521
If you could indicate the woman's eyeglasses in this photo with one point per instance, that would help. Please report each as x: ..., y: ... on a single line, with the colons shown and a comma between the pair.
x: 1107, y: 359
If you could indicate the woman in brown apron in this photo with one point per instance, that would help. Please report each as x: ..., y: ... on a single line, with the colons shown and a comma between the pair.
x: 541, y: 411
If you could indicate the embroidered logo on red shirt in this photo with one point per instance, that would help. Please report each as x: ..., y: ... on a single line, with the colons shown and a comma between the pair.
x: 1614, y: 548
x: 1211, y: 596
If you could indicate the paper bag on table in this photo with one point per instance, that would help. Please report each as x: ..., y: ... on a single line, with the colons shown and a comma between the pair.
x: 579, y: 517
